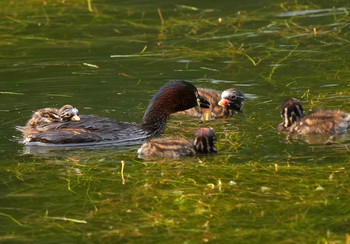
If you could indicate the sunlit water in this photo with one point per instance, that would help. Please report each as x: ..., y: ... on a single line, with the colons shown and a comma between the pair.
x: 261, y: 187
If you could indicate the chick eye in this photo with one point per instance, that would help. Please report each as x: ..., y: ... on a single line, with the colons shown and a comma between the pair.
x: 233, y: 97
x: 67, y: 115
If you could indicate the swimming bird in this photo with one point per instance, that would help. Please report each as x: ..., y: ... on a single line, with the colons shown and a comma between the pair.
x: 174, y: 96
x: 203, y: 142
x: 318, y: 122
x: 224, y: 104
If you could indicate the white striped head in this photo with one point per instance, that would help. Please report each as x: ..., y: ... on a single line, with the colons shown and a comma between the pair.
x: 291, y: 111
x: 68, y: 112
x: 232, y: 99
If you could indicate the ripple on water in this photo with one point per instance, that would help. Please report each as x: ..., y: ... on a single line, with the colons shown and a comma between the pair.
x: 314, y: 12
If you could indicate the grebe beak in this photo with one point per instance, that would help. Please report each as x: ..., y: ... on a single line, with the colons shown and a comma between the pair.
x: 203, y: 103
x: 224, y: 102
x: 75, y: 118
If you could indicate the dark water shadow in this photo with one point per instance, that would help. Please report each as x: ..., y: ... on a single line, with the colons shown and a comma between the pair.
x: 51, y: 150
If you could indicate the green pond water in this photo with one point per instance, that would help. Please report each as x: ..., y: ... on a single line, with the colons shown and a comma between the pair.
x: 108, y: 58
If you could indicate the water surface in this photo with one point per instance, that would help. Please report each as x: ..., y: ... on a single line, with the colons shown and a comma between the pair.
x: 110, y: 59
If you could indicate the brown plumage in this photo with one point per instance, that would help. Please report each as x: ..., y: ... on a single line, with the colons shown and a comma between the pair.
x: 223, y: 104
x: 43, y: 118
x: 203, y: 142
x: 319, y: 122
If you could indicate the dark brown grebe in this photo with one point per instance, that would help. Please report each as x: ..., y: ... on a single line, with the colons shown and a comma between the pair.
x: 172, y: 97
x: 318, y: 122
x: 223, y: 104
x: 203, y: 142
x: 42, y: 119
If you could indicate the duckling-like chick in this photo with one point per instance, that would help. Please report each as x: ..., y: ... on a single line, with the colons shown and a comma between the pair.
x: 42, y: 118
x: 68, y: 112
x: 318, y: 122
x: 202, y: 143
x: 223, y: 104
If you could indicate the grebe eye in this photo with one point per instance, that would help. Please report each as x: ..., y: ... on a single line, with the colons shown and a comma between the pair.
x: 67, y: 115
x: 233, y: 97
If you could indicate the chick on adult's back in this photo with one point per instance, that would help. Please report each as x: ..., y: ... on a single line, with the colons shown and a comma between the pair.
x: 43, y: 118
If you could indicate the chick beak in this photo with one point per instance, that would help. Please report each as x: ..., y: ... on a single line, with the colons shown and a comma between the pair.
x: 75, y: 118
x: 224, y: 102
x: 203, y: 103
